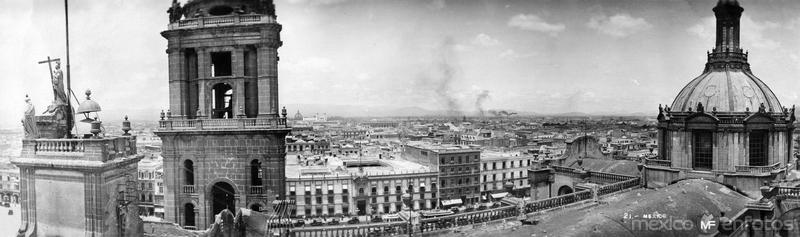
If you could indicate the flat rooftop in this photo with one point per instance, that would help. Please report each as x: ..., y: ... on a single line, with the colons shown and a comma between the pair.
x: 346, y: 166
x: 443, y: 148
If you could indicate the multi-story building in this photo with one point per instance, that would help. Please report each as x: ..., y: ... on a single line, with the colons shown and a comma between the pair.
x: 9, y: 185
x: 364, y: 186
x: 307, y: 144
x: 223, y: 137
x: 498, y: 168
x: 458, y: 167
x: 151, y: 187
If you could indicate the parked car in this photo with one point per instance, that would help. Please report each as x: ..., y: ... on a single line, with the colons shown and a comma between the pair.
x: 299, y: 223
x: 316, y: 222
x: 333, y: 222
x: 353, y: 220
x: 376, y: 219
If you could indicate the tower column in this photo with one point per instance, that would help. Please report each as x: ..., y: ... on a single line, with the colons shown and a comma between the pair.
x: 267, y: 81
x: 177, y: 83
x: 202, y: 75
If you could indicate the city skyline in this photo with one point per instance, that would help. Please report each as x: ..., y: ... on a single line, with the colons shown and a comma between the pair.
x: 543, y: 57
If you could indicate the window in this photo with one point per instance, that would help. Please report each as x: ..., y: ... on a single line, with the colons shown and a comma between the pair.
x: 758, y: 148
x: 484, y: 178
x: 319, y: 200
x: 385, y: 190
x: 345, y: 210
x: 308, y: 191
x: 484, y: 166
x: 330, y: 210
x: 220, y: 64
x: 188, y: 172
x: 344, y: 189
x: 330, y: 189
x: 345, y: 199
x: 318, y: 190
x: 188, y: 214
x: 330, y: 199
x: 255, y: 173
x: 291, y: 191
x: 703, y: 150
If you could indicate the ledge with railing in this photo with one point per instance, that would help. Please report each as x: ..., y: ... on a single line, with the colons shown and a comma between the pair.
x: 658, y: 163
x: 220, y: 124
x: 188, y: 188
x: 222, y: 21
x: 618, y: 186
x: 767, y: 169
x: 90, y: 149
x: 256, y: 189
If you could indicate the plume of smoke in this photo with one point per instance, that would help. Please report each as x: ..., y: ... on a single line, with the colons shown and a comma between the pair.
x: 482, y: 97
x: 444, y: 79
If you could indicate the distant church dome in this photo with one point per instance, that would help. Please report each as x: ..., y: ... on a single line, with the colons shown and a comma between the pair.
x: 726, y: 84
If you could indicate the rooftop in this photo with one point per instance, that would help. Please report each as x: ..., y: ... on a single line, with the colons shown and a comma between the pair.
x: 337, y: 166
x: 443, y: 148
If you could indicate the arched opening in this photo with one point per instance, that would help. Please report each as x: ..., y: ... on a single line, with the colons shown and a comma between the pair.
x: 563, y: 190
x: 222, y: 197
x: 223, y: 96
x: 255, y: 207
x: 188, y: 172
x: 188, y: 215
x: 758, y: 144
x: 255, y: 173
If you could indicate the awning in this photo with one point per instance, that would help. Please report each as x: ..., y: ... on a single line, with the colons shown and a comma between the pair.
x: 499, y: 195
x: 451, y: 202
x: 159, y: 210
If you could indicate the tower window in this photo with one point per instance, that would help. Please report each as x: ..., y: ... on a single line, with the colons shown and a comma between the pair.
x: 255, y: 173
x: 758, y: 148
x: 220, y: 64
x: 703, y: 150
x: 188, y: 169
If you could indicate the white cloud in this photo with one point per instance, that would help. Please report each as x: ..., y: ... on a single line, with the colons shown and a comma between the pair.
x: 535, y: 23
x: 511, y: 54
x: 485, y: 40
x: 752, y: 32
x: 315, y: 64
x: 619, y: 25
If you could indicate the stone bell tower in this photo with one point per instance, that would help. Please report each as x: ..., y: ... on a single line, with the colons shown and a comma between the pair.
x: 223, y: 139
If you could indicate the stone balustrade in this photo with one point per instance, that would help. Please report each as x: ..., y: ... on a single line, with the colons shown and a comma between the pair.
x: 188, y: 188
x: 658, y: 163
x: 758, y: 169
x: 221, y: 124
x: 221, y: 21
x: 90, y: 149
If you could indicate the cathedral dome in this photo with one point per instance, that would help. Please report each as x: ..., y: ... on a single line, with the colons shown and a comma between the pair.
x: 728, y: 90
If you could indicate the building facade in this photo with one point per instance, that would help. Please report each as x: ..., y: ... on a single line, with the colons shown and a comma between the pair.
x: 223, y: 138
x: 151, y: 187
x: 9, y: 185
x: 499, y: 169
x: 320, y: 196
x: 458, y: 167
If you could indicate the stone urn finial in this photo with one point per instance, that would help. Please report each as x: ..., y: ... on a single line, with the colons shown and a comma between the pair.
x: 126, y: 126
x: 162, y: 114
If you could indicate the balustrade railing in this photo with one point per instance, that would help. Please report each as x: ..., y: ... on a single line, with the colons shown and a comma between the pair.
x: 659, y: 163
x: 212, y: 124
x: 618, y: 186
x: 757, y: 169
x: 59, y: 145
x: 256, y: 190
x: 188, y: 188
x: 100, y: 149
x: 789, y: 192
x: 222, y: 20
x: 558, y: 201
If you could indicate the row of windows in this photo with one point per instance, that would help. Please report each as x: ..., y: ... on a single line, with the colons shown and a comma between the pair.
x: 511, y: 164
x: 503, y: 176
x: 460, y: 159
x: 703, y: 149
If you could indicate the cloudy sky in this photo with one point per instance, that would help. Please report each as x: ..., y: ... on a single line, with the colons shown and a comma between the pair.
x: 543, y: 56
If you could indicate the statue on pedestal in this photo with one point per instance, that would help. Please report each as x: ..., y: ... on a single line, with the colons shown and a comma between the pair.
x: 29, y: 120
x: 175, y: 11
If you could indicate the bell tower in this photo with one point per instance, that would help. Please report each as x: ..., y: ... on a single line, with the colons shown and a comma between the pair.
x: 223, y: 59
x: 223, y: 137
